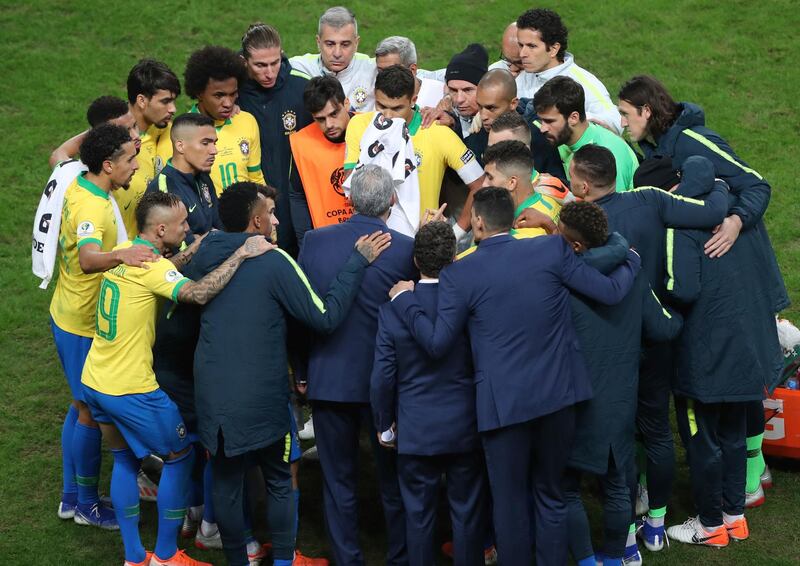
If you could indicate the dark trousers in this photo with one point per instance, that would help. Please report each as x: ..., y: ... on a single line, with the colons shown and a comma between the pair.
x: 420, y: 477
x: 755, y: 418
x: 652, y: 422
x: 337, y: 427
x: 529, y: 459
x: 228, y: 496
x: 616, y: 511
x: 717, y: 454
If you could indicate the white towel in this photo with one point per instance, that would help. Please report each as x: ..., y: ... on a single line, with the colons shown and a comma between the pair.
x: 47, y: 222
x: 386, y: 143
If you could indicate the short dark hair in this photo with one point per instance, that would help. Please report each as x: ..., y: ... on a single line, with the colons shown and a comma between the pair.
x: 259, y: 36
x: 320, y: 90
x: 512, y: 120
x: 549, y: 25
x: 212, y: 62
x: 509, y: 154
x: 597, y: 164
x: 495, y: 206
x: 105, y: 108
x: 434, y: 247
x: 237, y: 202
x: 588, y: 220
x: 193, y: 119
x: 563, y: 93
x: 103, y: 143
x: 151, y: 201
x: 148, y: 76
x: 395, y: 82
x: 644, y: 90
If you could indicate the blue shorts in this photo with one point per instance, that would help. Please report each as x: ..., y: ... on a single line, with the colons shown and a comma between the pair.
x: 149, y: 422
x: 293, y: 443
x: 72, y: 351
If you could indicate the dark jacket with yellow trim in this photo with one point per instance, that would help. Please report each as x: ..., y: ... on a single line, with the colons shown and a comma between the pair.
x: 688, y: 136
x: 279, y: 112
x: 611, y: 341
x: 240, y: 364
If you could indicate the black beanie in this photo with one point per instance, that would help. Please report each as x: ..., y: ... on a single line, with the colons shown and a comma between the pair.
x: 656, y: 171
x: 470, y: 65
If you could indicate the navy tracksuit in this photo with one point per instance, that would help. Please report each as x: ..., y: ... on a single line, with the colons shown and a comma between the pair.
x: 507, y: 292
x: 432, y: 403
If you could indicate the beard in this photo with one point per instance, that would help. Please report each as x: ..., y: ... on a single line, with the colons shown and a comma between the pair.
x: 338, y: 139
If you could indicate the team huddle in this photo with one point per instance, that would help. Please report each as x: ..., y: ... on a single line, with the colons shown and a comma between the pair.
x: 472, y: 266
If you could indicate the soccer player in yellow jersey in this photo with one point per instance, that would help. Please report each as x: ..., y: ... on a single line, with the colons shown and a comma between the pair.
x: 136, y: 417
x: 87, y: 236
x: 152, y: 90
x: 436, y: 147
x: 212, y: 78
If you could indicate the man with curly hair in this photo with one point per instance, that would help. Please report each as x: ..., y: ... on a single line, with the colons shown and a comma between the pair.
x: 212, y: 78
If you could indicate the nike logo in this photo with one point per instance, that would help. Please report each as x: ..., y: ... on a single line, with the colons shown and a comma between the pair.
x: 127, y: 206
x: 193, y: 207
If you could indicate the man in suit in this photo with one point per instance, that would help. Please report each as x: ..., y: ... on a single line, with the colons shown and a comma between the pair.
x: 529, y: 372
x: 429, y: 406
x: 340, y: 365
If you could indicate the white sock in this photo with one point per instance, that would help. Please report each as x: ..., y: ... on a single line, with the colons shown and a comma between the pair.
x: 253, y: 547
x: 208, y: 529
x: 196, y: 512
x: 731, y: 518
x: 655, y: 521
x: 631, y: 538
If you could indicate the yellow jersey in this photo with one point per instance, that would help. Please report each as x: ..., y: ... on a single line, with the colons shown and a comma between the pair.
x: 120, y: 361
x: 86, y: 217
x: 537, y: 201
x: 149, y: 166
x: 238, y: 151
x: 436, y: 148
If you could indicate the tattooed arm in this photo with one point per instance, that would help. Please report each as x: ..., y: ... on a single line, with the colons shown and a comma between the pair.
x: 180, y: 259
x: 201, y: 292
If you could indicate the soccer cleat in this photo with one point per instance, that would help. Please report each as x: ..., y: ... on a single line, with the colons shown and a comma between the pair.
x: 738, y: 529
x: 189, y: 527
x: 256, y: 558
x: 311, y: 455
x: 97, y: 515
x: 66, y: 510
x: 755, y: 499
x: 766, y: 478
x: 642, y: 501
x: 308, y: 430
x: 208, y: 541
x: 302, y: 560
x: 632, y: 557
x: 652, y: 537
x: 145, y: 562
x: 148, y: 491
x: 179, y: 559
x: 489, y: 554
x: 692, y: 531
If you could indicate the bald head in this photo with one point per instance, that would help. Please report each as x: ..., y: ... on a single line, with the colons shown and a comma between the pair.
x: 497, y: 94
x: 510, y: 49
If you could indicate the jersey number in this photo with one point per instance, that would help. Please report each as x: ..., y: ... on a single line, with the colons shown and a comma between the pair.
x: 107, y: 309
x: 228, y: 174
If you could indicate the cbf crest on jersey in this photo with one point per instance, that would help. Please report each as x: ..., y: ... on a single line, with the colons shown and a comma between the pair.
x: 289, y: 120
x: 359, y: 96
x: 205, y: 193
x: 244, y: 147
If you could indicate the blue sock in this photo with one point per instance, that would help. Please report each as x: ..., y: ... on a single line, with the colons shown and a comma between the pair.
x: 283, y: 562
x: 296, y: 494
x: 588, y: 561
x: 608, y: 561
x: 125, y: 497
x: 70, y: 488
x: 86, y: 454
x: 208, y: 500
x: 172, y: 494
